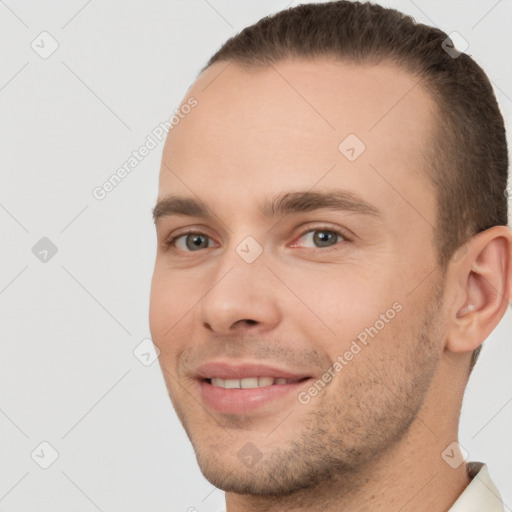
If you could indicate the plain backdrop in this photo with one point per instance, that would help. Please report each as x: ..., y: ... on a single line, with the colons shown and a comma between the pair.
x: 75, y: 308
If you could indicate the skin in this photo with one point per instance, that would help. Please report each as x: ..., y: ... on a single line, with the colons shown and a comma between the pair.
x: 372, y: 439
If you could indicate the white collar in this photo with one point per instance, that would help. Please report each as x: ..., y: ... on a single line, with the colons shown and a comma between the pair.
x: 481, y: 494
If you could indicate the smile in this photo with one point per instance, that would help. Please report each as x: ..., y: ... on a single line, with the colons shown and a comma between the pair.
x: 250, y: 382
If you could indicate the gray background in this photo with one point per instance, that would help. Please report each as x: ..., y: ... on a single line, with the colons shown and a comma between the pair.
x: 69, y: 326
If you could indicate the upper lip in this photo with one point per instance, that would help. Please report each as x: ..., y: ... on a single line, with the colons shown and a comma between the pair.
x: 225, y: 370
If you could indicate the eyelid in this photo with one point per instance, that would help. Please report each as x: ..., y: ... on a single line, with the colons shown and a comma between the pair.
x: 170, y: 241
x: 343, y: 233
x: 194, y: 228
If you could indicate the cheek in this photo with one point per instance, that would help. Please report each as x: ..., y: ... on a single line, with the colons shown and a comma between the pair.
x: 157, y: 305
x: 344, y: 312
x: 167, y: 320
x: 169, y: 304
x: 342, y: 300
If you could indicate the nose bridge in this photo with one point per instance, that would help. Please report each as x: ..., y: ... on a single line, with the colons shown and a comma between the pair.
x: 241, y: 289
x: 245, y: 257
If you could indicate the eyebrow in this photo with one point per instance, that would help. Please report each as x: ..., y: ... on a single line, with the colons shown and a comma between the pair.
x: 287, y: 203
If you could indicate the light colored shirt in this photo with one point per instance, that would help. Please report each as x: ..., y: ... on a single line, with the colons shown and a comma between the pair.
x: 481, y: 494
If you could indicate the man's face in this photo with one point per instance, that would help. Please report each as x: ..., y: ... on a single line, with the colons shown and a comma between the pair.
x: 275, y: 301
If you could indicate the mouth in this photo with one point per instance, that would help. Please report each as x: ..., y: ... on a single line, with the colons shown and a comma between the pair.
x: 250, y: 382
x: 242, y: 389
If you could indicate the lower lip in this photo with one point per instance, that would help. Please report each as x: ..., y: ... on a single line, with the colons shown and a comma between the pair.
x: 242, y: 401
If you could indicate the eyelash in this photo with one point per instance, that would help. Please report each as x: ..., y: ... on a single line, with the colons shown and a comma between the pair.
x: 171, y: 243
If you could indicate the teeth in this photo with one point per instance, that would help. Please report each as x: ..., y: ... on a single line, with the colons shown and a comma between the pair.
x: 249, y: 382
x: 218, y: 382
x: 265, y: 381
x: 231, y: 383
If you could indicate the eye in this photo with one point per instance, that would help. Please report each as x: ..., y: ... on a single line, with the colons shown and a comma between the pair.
x: 322, y: 237
x: 194, y: 241
x: 190, y: 241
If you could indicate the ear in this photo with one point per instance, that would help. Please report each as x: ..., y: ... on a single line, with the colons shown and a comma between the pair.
x: 481, y: 285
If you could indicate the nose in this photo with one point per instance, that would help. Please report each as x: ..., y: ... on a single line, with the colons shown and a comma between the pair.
x: 243, y: 296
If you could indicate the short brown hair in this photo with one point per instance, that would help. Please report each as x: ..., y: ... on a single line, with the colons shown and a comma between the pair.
x: 468, y: 155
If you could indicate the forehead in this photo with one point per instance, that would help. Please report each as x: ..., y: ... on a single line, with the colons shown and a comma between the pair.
x: 294, y: 125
